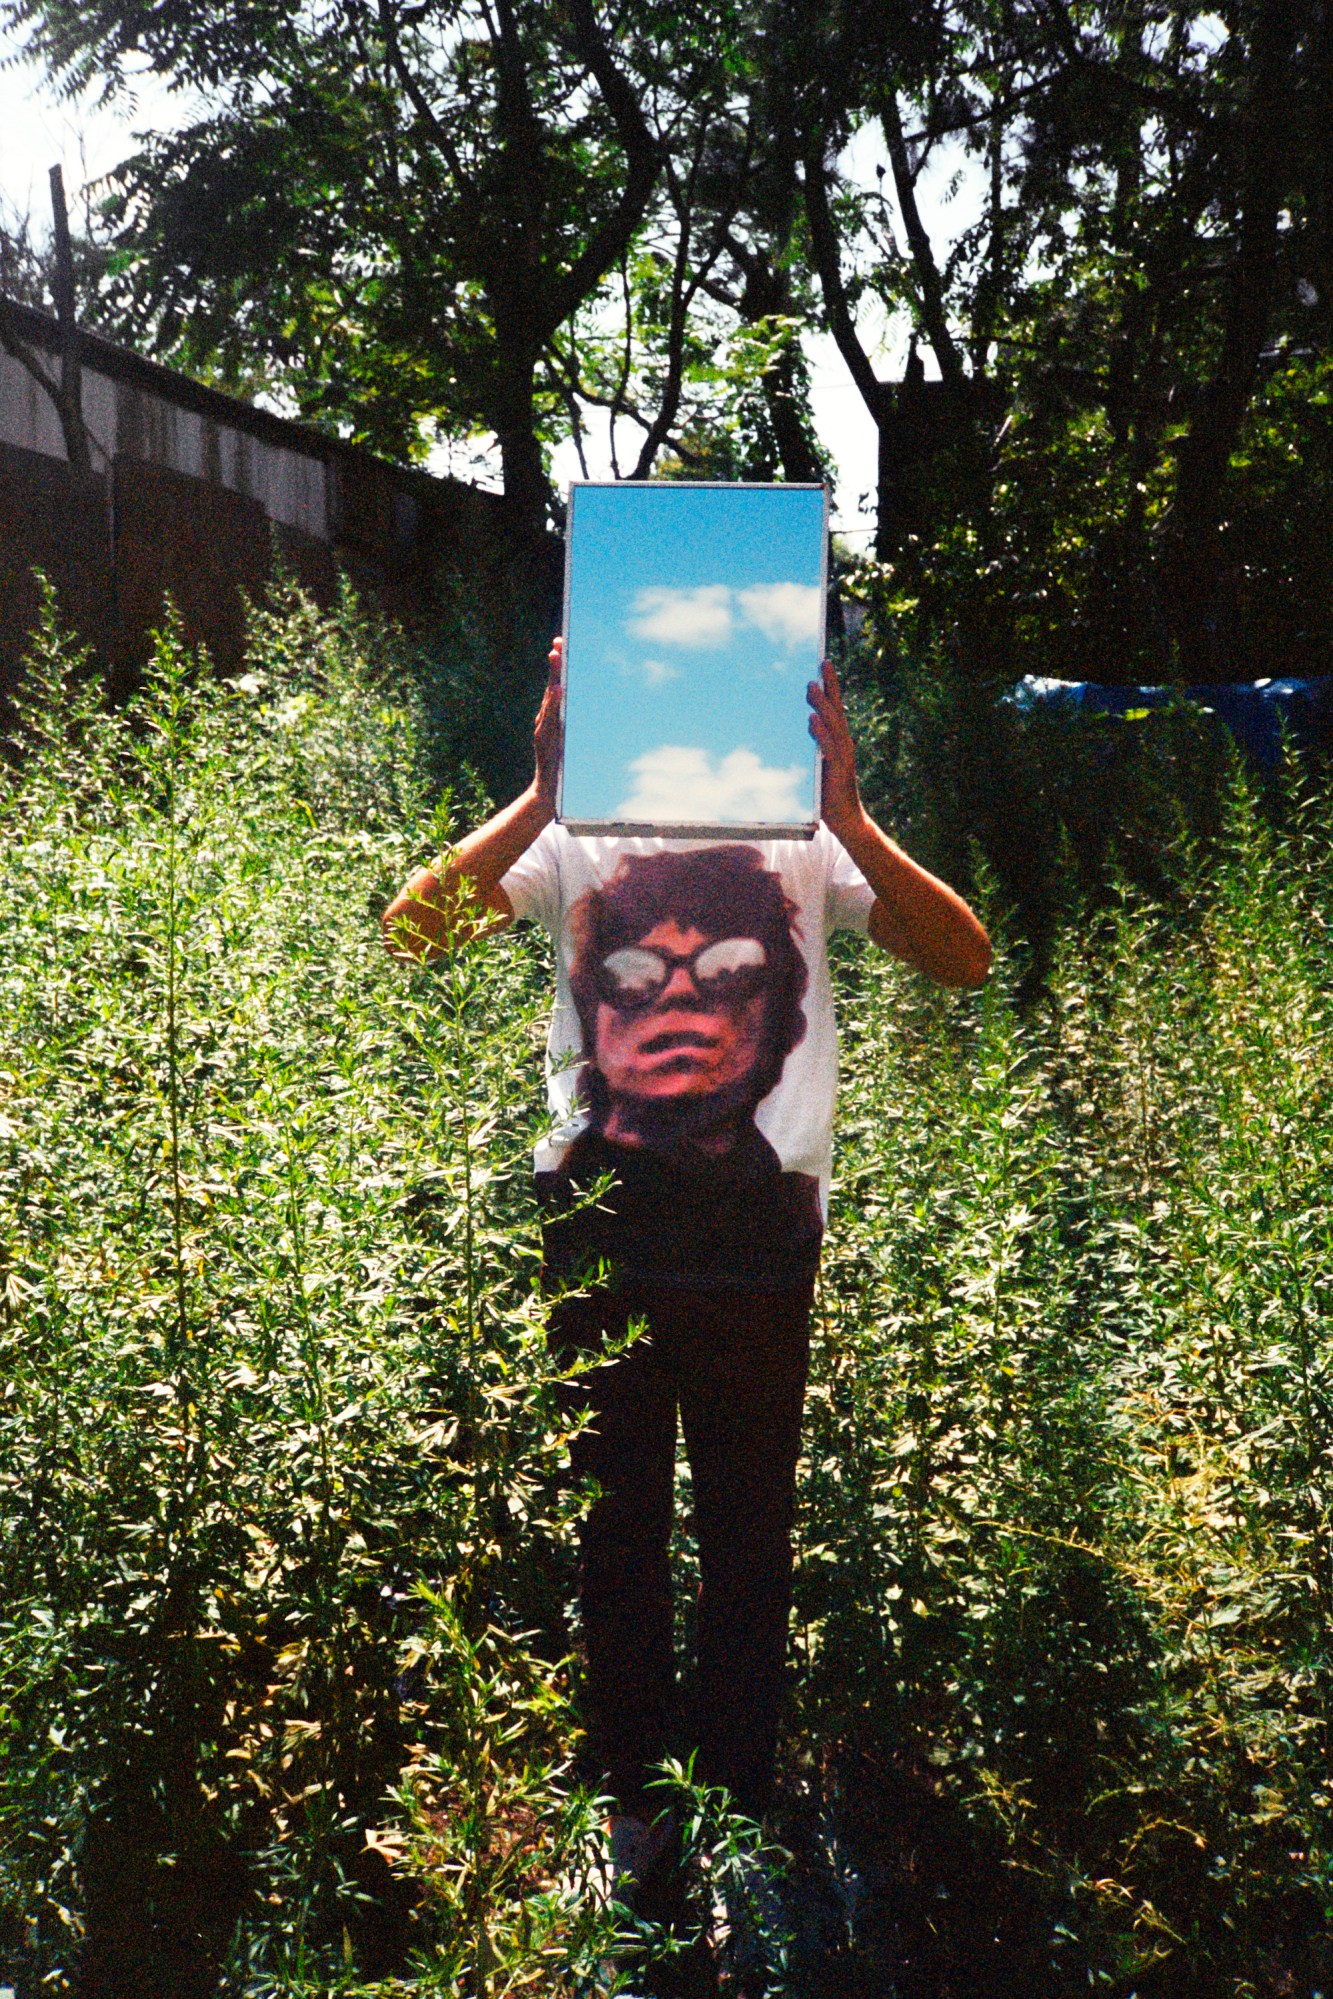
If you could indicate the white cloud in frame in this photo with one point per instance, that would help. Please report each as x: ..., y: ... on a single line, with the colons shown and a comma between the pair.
x: 658, y: 671
x: 676, y: 785
x: 786, y: 613
x: 677, y: 617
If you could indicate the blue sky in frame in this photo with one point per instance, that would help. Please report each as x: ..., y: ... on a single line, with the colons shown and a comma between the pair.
x: 694, y: 625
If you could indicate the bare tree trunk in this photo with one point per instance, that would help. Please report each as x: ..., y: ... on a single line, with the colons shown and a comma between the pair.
x: 878, y: 396
x: 527, y: 490
x: 66, y: 390
x: 70, y: 400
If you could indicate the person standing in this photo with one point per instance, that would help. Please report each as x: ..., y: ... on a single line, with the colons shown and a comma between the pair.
x: 692, y: 1066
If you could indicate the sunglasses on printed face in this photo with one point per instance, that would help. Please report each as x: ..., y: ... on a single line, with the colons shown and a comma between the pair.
x: 726, y: 972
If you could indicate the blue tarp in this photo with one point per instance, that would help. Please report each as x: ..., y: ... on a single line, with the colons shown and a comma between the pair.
x: 1257, y: 712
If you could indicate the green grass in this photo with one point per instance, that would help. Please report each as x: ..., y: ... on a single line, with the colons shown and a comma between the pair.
x: 285, y: 1553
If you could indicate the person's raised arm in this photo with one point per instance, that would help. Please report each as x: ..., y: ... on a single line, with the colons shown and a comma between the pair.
x: 466, y: 894
x: 916, y: 916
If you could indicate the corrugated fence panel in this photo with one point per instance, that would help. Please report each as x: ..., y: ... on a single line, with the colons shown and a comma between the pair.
x: 201, y: 543
x: 27, y: 414
x: 52, y: 520
x: 203, y: 488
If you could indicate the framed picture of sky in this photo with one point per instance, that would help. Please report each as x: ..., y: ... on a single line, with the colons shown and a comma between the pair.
x: 694, y: 618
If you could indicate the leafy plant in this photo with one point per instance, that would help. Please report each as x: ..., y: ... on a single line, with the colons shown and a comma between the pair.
x: 274, y: 1355
x: 1067, y: 1497
x: 288, y: 1679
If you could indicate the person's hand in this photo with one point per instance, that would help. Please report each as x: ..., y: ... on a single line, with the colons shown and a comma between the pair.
x: 840, y: 797
x: 547, y: 731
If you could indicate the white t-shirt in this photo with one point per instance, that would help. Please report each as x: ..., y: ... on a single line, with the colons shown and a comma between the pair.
x: 674, y: 958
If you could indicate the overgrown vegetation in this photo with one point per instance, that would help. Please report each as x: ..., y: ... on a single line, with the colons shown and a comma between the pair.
x: 1099, y: 238
x: 285, y: 1551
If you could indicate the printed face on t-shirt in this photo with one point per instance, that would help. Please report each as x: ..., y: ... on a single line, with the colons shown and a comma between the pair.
x: 688, y: 981
x: 683, y: 1013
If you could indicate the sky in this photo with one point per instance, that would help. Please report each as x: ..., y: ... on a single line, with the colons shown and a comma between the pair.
x: 36, y: 131
x: 695, y: 624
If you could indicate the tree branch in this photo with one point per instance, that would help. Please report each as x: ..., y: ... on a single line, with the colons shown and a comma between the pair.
x: 682, y: 298
x: 918, y: 242
x: 824, y: 244
x: 610, y: 240
x: 72, y: 427
x: 1205, y: 450
x: 421, y: 104
x: 523, y: 153
x: 1115, y: 76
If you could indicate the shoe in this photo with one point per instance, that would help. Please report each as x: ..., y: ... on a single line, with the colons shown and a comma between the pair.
x: 755, y: 1931
x: 639, y: 1849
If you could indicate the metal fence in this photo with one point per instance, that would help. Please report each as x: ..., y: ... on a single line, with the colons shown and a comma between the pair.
x: 196, y: 493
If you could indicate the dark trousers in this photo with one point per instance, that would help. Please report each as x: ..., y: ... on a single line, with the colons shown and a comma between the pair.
x: 733, y: 1362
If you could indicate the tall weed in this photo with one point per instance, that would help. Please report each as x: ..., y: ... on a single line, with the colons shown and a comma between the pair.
x: 285, y: 1545
x: 1067, y: 1496
x: 279, y: 1466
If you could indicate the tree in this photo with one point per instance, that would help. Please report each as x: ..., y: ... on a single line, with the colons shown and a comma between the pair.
x: 1154, y: 219
x: 927, y: 78
x: 429, y: 217
x: 398, y: 203
x: 1179, y: 162
x: 698, y: 345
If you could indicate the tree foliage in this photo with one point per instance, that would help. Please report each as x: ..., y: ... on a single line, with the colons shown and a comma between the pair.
x: 397, y: 205
x: 445, y: 217
x: 1152, y: 229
